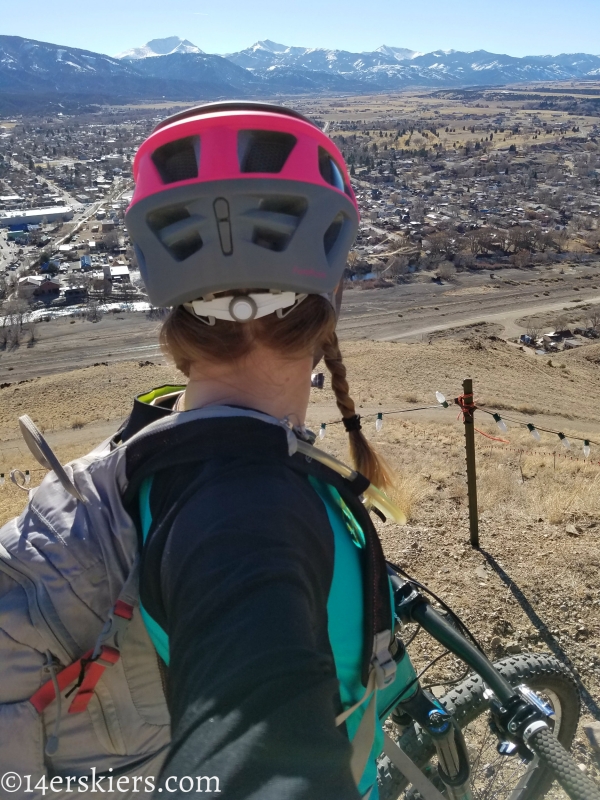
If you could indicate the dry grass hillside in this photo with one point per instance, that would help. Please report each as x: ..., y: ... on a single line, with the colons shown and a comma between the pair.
x: 534, y: 584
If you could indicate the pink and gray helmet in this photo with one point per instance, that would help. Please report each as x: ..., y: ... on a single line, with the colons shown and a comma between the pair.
x: 240, y: 195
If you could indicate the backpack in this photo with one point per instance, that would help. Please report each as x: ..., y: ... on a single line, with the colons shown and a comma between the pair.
x: 69, y: 621
x: 82, y: 691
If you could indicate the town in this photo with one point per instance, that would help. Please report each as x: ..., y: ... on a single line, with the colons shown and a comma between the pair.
x: 449, y: 184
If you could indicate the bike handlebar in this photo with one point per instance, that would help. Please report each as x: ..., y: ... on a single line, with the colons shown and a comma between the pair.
x: 543, y: 742
x: 428, y: 618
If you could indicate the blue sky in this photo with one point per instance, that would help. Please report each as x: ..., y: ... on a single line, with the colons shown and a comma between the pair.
x: 516, y: 27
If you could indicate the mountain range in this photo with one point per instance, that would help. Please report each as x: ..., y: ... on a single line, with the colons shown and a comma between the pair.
x: 42, y: 75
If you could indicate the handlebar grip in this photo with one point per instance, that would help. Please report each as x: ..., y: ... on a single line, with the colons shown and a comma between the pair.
x: 550, y: 751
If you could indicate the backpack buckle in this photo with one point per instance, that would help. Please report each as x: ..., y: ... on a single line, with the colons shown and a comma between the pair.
x: 115, y: 627
x: 382, y: 660
x: 92, y: 670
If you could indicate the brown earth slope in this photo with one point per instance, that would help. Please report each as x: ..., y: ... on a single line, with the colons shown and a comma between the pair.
x: 533, y: 586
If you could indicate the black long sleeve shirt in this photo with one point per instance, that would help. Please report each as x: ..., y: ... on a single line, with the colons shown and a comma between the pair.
x: 240, y: 582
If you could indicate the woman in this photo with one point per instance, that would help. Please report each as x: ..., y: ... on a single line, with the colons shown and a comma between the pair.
x: 255, y: 563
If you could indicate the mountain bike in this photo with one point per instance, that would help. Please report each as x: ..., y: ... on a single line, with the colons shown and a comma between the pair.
x: 502, y: 733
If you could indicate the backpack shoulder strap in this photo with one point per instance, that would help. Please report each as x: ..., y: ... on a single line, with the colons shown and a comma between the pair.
x: 378, y: 621
x: 44, y: 455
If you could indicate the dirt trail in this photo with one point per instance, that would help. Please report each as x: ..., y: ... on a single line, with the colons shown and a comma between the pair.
x: 505, y: 318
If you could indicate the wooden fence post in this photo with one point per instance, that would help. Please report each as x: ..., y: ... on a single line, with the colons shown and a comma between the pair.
x: 468, y: 414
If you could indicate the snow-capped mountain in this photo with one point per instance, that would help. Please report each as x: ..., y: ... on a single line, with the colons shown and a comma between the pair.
x: 160, y: 47
x: 27, y: 65
x: 397, y: 67
x: 265, y: 54
x: 39, y: 74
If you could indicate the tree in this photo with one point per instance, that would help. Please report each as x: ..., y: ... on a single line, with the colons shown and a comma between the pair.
x: 474, y: 242
x: 560, y: 239
x: 14, y: 312
x: 561, y: 322
x: 442, y: 244
x: 594, y: 318
x: 446, y: 270
x: 93, y: 312
x: 33, y: 337
x: 397, y: 266
x: 544, y: 240
x: 110, y: 240
x: 353, y: 259
x: 521, y: 259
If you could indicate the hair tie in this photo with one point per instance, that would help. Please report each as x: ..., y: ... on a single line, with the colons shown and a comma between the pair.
x: 352, y: 423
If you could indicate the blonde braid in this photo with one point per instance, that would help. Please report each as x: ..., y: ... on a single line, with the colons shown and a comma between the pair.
x: 364, y: 457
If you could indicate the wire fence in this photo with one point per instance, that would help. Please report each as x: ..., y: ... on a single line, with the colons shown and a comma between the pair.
x: 467, y: 408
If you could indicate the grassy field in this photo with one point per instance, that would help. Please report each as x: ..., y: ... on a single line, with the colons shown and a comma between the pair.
x: 428, y: 106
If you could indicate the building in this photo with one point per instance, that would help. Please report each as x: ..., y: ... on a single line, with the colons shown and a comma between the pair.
x: 76, y: 294
x: 99, y: 281
x: 10, y: 200
x: 18, y: 236
x: 39, y: 286
x: 117, y: 274
x: 33, y: 216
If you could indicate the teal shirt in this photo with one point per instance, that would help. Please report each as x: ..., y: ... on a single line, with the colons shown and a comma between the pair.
x: 345, y: 611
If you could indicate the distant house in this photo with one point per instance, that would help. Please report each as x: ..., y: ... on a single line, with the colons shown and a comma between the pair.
x: 99, y: 280
x: 76, y: 294
x: 553, y: 337
x: 117, y: 273
x: 38, y: 286
x: 35, y: 215
x: 571, y: 344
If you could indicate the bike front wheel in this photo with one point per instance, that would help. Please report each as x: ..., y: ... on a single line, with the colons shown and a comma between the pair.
x: 494, y: 777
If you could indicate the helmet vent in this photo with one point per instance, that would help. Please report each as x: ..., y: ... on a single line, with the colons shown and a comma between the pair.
x: 177, y: 231
x: 264, y: 151
x: 330, y: 171
x: 178, y: 161
x: 332, y: 234
x: 276, y: 220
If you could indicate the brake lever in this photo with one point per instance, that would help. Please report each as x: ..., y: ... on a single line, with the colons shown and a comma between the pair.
x: 515, y: 721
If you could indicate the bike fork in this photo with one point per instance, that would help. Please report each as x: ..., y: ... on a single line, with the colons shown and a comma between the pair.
x: 453, y: 760
x: 453, y: 765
